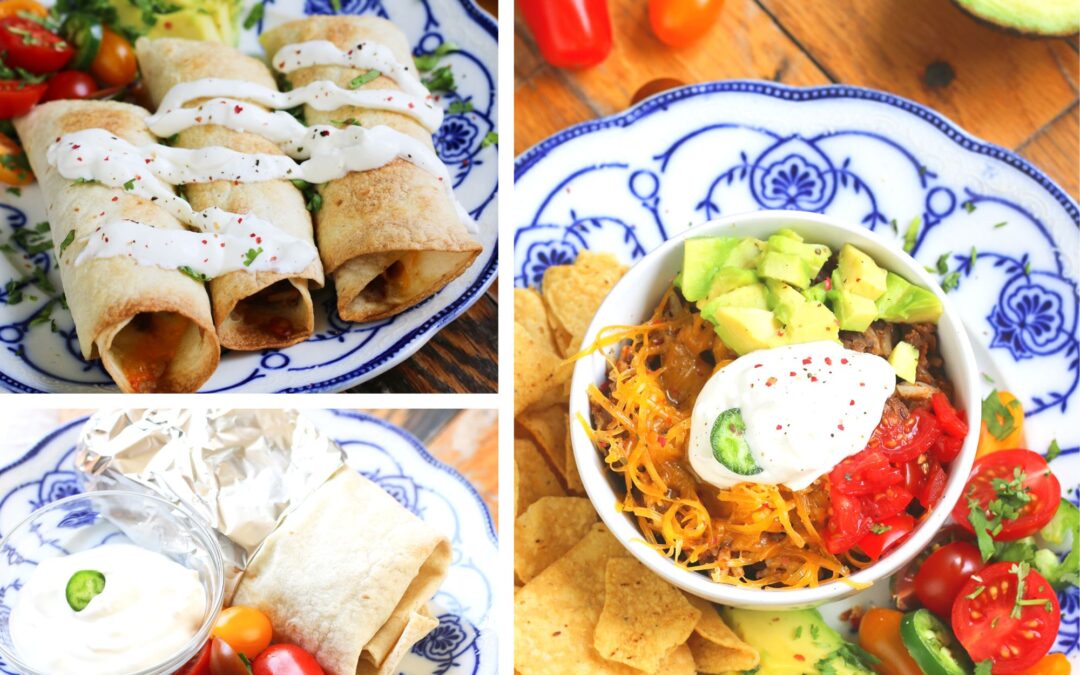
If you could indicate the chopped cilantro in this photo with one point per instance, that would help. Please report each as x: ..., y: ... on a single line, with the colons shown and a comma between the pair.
x: 798, y: 632
x: 976, y: 593
x: 911, y: 235
x: 14, y: 191
x: 33, y: 240
x: 67, y: 241
x: 1000, y: 225
x: 254, y: 16
x: 251, y: 254
x: 336, y: 5
x: 950, y: 282
x: 84, y: 181
x: 314, y: 202
x: 972, y: 258
x: 460, y: 107
x: 361, y: 80
x: 351, y: 122
x: 998, y: 419
x: 14, y: 293
x: 986, y: 377
x: 1027, y: 269
x: 969, y: 206
x: 878, y: 528
x: 130, y: 185
x: 894, y: 226
x: 1053, y: 451
x: 490, y: 138
x: 814, y: 631
x: 984, y: 667
x: 441, y: 79
x: 942, y: 264
x: 426, y: 62
x: 197, y: 276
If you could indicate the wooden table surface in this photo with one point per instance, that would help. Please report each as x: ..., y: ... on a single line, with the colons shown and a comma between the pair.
x: 1018, y: 92
x: 463, y: 357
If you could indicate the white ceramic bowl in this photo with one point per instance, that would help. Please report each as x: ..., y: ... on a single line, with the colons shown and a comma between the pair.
x: 633, y: 300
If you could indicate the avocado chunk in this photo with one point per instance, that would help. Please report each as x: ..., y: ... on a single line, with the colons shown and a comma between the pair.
x: 786, y: 267
x: 814, y: 255
x: 854, y: 312
x: 783, y: 299
x: 812, y: 322
x: 745, y: 296
x: 795, y: 643
x: 859, y: 273
x: 746, y: 253
x: 746, y: 329
x: 816, y: 293
x: 903, y: 302
x: 1030, y: 17
x: 789, y: 233
x: 728, y: 279
x: 209, y: 20
x: 904, y: 359
x: 702, y: 258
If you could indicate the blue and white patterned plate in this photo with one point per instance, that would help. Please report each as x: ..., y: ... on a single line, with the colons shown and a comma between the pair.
x: 35, y: 358
x: 1005, y: 234
x: 465, y: 641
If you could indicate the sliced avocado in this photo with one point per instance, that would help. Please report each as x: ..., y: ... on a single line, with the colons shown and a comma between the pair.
x: 812, y: 322
x: 728, y: 279
x: 753, y: 295
x: 729, y: 446
x: 1030, y: 17
x: 904, y: 359
x: 783, y: 299
x: 859, y: 273
x: 814, y: 255
x: 745, y: 329
x: 795, y: 643
x: 702, y: 258
x: 854, y: 312
x: 785, y: 267
x: 816, y: 293
x: 904, y: 302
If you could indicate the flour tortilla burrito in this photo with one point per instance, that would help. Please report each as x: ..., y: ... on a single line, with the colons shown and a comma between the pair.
x: 390, y: 237
x: 151, y: 327
x: 252, y: 310
x: 360, y: 608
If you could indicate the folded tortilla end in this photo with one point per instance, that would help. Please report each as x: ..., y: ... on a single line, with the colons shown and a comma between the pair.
x: 158, y: 350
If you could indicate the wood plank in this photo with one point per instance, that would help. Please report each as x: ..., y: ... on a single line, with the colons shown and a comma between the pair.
x: 744, y: 43
x: 1055, y: 150
x: 999, y: 86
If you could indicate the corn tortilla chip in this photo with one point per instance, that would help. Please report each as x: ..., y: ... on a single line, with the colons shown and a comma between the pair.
x: 644, y: 617
x: 716, y: 648
x: 573, y: 293
x: 529, y: 311
x: 573, y: 479
x: 533, y: 478
x: 548, y: 428
x: 548, y: 529
x: 538, y: 371
x: 555, y: 614
x: 679, y: 662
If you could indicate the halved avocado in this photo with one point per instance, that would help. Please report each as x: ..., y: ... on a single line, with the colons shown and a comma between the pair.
x: 1029, y: 17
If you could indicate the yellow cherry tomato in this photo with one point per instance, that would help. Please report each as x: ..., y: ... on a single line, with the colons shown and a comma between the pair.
x: 1051, y: 664
x: 114, y: 64
x: 13, y: 167
x: 879, y: 634
x: 13, y: 7
x: 1008, y: 412
x: 245, y: 629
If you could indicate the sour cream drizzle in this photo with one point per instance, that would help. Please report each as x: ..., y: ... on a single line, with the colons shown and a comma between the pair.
x: 364, y: 56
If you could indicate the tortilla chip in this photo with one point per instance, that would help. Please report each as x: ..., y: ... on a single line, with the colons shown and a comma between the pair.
x: 548, y: 529
x: 537, y: 372
x: 644, y: 617
x: 573, y: 293
x: 679, y: 662
x: 548, y: 429
x: 529, y: 311
x: 716, y: 648
x: 573, y: 479
x: 533, y: 478
x: 555, y: 614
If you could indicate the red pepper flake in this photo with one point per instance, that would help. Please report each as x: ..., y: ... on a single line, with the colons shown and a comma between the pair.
x: 411, y: 106
x: 828, y: 361
x: 770, y: 382
x: 281, y: 65
x: 813, y: 378
x: 389, y: 98
x: 204, y: 241
x: 828, y: 284
x: 238, y: 109
x: 273, y: 258
x: 222, y: 244
x: 199, y: 119
x: 757, y: 365
x: 116, y: 199
x: 779, y: 427
x: 74, y: 146
x: 252, y: 235
x: 147, y: 160
x: 792, y: 373
x: 258, y: 240
x: 852, y: 402
x: 844, y: 361
x: 862, y: 384
x: 800, y: 657
x: 807, y: 361
x: 840, y: 427
x: 662, y: 440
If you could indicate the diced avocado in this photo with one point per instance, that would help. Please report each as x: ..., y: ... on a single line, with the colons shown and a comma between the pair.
x: 789, y: 233
x: 1030, y: 17
x: 812, y: 322
x: 745, y: 329
x: 209, y: 20
x: 814, y: 255
x: 702, y: 258
x: 746, y: 253
x: 816, y: 293
x: 904, y: 302
x: 745, y: 296
x: 904, y: 359
x: 859, y: 273
x: 795, y: 643
x: 854, y: 312
x: 728, y: 279
x: 785, y: 267
x: 783, y: 299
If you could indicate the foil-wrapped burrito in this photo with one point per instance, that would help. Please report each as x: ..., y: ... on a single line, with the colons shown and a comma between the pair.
x: 337, y: 564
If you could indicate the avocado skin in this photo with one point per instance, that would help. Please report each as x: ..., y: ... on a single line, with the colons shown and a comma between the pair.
x: 984, y: 12
x: 782, y: 636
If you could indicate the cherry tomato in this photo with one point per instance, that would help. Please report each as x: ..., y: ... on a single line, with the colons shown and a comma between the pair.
x: 1041, y: 487
x: 864, y: 473
x: 887, y: 503
x: 224, y: 660
x: 677, y: 23
x: 984, y: 622
x: 654, y: 87
x: 14, y: 169
x: 948, y: 417
x: 29, y: 46
x: 902, y: 584
x: 69, y: 84
x: 942, y: 575
x: 199, y: 664
x: 569, y: 33
x: 930, y: 493
x: 247, y: 630
x: 286, y: 660
x: 906, y: 440
x: 847, y: 523
x: 114, y: 64
x: 988, y: 443
x: 14, y: 7
x: 17, y: 98
x: 946, y: 448
x: 1051, y: 664
x: 893, y: 531
x: 879, y: 634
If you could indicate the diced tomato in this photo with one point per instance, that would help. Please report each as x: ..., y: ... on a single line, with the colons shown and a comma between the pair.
x: 847, y: 523
x: 886, y: 534
x: 946, y: 448
x: 918, y: 433
x: 888, y: 502
x: 947, y: 416
x: 934, y: 487
x: 866, y: 472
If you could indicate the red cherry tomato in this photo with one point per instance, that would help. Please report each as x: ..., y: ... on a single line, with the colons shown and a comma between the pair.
x: 946, y: 448
x: 199, y: 664
x: 934, y: 487
x: 891, y: 532
x: 905, y: 440
x: 677, y: 23
x: 942, y: 575
x: 864, y: 473
x: 286, y: 660
x: 569, y: 33
x: 991, y: 625
x: 846, y: 524
x: 224, y: 660
x: 949, y: 418
x: 69, y: 84
x: 17, y: 98
x: 1041, y: 487
x: 902, y: 584
x: 889, y: 502
x: 29, y: 46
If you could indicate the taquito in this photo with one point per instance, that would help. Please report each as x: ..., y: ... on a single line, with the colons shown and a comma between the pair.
x: 252, y: 310
x: 390, y: 237
x: 151, y: 327
x: 362, y: 607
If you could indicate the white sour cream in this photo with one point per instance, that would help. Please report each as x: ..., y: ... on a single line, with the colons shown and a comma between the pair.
x: 806, y: 407
x: 364, y: 56
x: 150, y: 609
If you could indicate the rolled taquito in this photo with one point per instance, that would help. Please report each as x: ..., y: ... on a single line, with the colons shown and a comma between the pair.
x: 362, y: 607
x: 392, y: 236
x: 252, y: 310
x: 151, y: 327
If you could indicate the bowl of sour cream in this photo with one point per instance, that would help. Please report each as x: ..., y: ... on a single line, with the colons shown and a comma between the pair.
x: 108, y: 583
x: 802, y: 432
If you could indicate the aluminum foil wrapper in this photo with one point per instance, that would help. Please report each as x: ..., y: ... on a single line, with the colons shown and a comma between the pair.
x: 239, y: 470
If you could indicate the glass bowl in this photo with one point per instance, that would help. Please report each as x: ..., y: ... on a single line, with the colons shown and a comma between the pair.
x: 86, y: 521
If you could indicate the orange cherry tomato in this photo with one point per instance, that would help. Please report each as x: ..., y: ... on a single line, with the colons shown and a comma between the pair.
x: 114, y: 65
x: 245, y: 629
x: 879, y: 634
x: 14, y: 169
x: 1051, y: 664
x: 13, y: 7
x: 677, y: 23
x: 989, y: 443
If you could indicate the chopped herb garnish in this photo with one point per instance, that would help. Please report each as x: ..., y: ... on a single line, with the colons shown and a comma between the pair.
x: 14, y: 191
x: 894, y: 226
x: 972, y: 258
x: 878, y: 528
x: 976, y: 593
x: 441, y: 79
x: 254, y: 16
x: 490, y: 138
x: 33, y: 240
x: 300, y: 184
x: 17, y: 163
x: 1027, y: 269
x: 798, y: 632
x: 314, y: 202
x: 942, y: 264
x: 336, y: 5
x: 426, y: 62
x: 950, y: 282
x: 969, y: 206
x: 1010, y: 499
x: 984, y: 667
x: 251, y: 254
x: 1053, y: 451
x: 130, y: 185
x: 351, y: 122
x: 999, y: 421
x: 84, y: 181
x: 986, y: 377
x: 14, y: 293
x: 361, y: 80
x: 1000, y: 225
x: 814, y: 630
x: 911, y: 235
x: 460, y: 107
x: 196, y: 275
x: 67, y: 241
